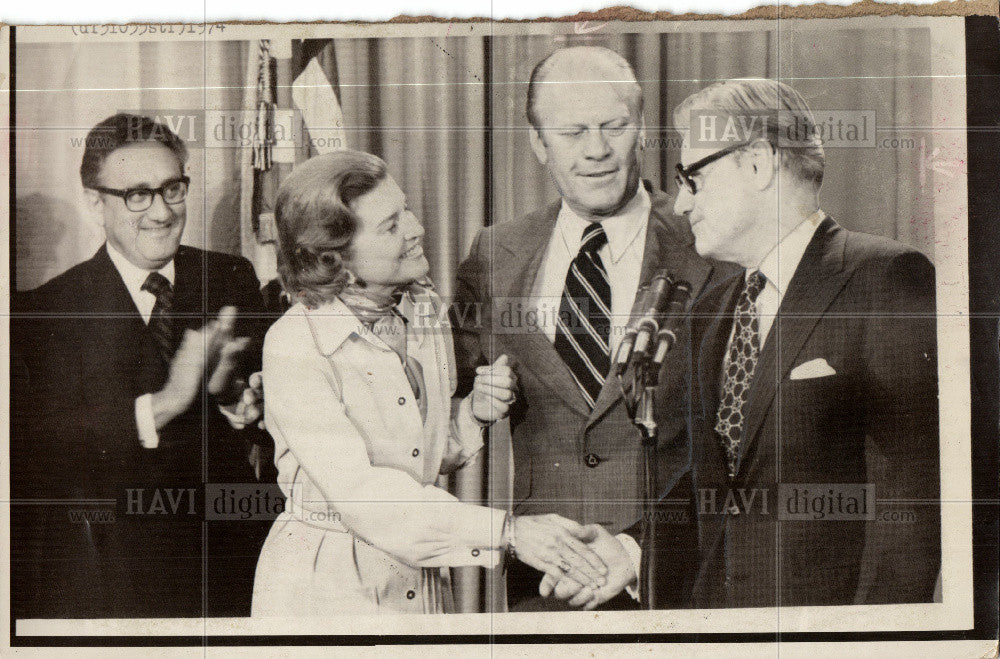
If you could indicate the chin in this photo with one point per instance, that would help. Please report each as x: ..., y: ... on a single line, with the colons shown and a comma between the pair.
x: 419, y: 270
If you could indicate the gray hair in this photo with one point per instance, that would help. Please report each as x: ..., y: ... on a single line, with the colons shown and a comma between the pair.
x: 791, y: 128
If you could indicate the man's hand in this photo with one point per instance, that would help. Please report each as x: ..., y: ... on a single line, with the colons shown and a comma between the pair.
x: 621, y: 573
x: 209, y: 353
x: 494, y: 390
x: 222, y: 351
x: 555, y: 546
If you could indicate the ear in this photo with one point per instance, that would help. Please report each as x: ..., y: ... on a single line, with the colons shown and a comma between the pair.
x: 94, y: 201
x: 642, y: 133
x: 764, y: 162
x: 538, y: 145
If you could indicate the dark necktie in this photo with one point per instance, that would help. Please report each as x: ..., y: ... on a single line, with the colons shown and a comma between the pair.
x: 584, y: 322
x: 160, y: 324
x: 741, y: 360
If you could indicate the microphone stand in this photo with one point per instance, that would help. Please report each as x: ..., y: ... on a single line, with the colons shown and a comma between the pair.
x: 638, y: 399
x: 643, y: 376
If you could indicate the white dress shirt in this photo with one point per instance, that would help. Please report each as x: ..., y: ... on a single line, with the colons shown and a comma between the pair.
x: 779, y: 266
x: 134, y: 277
x: 622, y: 258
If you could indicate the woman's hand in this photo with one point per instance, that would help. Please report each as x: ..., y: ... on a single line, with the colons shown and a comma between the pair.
x: 555, y: 546
x: 494, y: 391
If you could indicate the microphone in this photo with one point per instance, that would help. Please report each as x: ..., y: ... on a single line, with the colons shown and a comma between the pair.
x: 673, y: 316
x: 644, y: 321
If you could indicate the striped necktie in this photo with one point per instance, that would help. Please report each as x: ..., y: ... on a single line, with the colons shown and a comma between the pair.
x: 160, y: 324
x: 584, y: 323
x: 740, y: 363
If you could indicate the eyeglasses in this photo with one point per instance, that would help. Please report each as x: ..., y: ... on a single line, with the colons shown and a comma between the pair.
x: 684, y: 174
x: 139, y: 199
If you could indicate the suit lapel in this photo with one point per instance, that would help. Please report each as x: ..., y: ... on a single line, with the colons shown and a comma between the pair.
x: 123, y: 333
x: 668, y: 246
x: 188, y: 290
x: 514, y: 272
x: 817, y: 281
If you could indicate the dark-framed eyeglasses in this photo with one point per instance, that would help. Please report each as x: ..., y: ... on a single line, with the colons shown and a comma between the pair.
x: 683, y: 177
x: 136, y: 200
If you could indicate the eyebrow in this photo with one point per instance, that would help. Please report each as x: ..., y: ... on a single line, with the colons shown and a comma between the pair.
x: 145, y: 185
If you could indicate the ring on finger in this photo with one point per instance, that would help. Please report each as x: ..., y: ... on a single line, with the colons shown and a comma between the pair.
x: 564, y: 565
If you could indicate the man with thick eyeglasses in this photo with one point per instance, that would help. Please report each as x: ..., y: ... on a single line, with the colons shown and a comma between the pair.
x: 814, y: 398
x: 130, y: 359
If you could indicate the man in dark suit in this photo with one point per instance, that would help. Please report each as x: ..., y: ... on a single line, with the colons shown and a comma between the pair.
x: 581, y: 261
x: 815, y: 411
x: 126, y: 361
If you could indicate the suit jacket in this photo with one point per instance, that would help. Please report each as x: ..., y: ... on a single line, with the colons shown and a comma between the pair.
x: 583, y: 464
x: 864, y: 306
x: 86, y: 355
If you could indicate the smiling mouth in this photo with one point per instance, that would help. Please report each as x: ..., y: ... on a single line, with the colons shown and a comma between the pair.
x: 600, y: 174
x: 414, y: 252
x: 163, y: 228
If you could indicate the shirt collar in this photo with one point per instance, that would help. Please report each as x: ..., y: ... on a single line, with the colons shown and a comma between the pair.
x: 134, y: 276
x: 780, y: 263
x: 332, y: 323
x: 621, y: 229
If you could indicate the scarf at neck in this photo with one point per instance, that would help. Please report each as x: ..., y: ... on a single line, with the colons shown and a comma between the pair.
x: 368, y: 305
x: 381, y: 316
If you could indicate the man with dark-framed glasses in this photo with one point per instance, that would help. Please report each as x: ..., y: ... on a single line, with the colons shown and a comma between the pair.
x: 127, y: 363
x: 814, y: 403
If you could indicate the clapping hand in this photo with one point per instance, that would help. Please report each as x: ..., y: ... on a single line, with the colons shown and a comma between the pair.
x: 221, y: 352
x: 206, y: 357
x: 621, y: 573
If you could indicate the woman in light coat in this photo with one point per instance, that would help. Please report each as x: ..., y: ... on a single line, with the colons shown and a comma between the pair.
x: 358, y: 377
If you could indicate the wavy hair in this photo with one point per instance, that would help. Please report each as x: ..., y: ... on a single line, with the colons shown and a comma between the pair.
x: 316, y: 224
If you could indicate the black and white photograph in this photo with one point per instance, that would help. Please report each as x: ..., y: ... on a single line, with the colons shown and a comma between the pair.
x: 680, y: 332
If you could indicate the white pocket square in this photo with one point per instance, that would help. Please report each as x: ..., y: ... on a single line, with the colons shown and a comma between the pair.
x: 814, y: 368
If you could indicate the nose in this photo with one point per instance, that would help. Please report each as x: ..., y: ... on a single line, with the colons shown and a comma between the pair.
x: 412, y: 228
x: 159, y: 211
x: 684, y: 202
x: 596, y: 146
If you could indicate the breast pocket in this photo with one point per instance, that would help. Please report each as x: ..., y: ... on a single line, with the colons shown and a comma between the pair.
x: 823, y: 427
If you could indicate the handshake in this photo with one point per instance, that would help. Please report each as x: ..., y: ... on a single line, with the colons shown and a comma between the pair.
x: 584, y: 565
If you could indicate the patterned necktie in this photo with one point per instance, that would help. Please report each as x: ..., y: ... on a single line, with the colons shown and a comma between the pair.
x: 741, y: 360
x: 584, y: 322
x: 159, y: 321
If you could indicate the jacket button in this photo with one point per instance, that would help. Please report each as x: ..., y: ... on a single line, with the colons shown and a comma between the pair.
x: 416, y: 452
x: 733, y: 509
x: 410, y: 594
x: 402, y: 400
x: 475, y: 552
x: 591, y: 460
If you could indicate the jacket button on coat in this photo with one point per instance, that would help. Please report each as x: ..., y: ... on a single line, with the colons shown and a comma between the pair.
x: 401, y: 401
x: 410, y: 594
x: 592, y: 460
x: 416, y: 452
x: 475, y: 552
